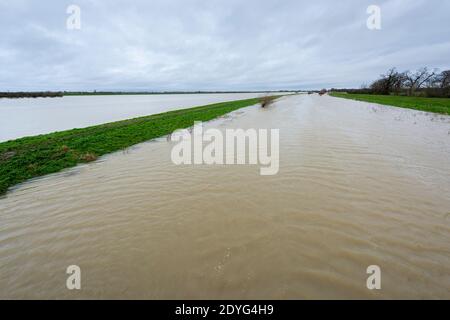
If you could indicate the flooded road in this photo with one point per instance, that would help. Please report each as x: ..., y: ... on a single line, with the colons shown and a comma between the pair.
x: 359, y: 184
x: 28, y: 117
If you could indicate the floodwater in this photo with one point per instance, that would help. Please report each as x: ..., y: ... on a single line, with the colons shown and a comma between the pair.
x: 359, y: 184
x: 28, y: 117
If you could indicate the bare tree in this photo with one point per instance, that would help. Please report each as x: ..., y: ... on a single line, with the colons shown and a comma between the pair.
x: 444, y: 79
x: 392, y: 81
x: 415, y: 80
x: 390, y: 78
x: 398, y: 82
x: 379, y: 86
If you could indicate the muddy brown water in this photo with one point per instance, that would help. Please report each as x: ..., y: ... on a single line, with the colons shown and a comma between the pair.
x: 359, y: 184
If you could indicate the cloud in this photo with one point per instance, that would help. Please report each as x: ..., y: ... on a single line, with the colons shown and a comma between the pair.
x: 215, y: 45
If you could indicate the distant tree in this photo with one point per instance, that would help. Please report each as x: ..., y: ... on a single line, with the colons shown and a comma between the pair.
x: 444, y: 79
x: 391, y: 81
x: 415, y: 80
x: 441, y: 84
x: 427, y: 83
x: 399, y: 82
x: 379, y: 86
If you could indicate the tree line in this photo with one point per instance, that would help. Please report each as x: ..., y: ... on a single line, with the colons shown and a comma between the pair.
x: 421, y: 82
x: 46, y: 94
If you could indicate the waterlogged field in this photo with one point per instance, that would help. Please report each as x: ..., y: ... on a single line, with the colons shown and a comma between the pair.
x: 358, y: 185
x: 437, y: 105
x: 29, y: 117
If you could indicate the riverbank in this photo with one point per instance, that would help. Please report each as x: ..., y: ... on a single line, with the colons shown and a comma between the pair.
x: 30, y: 157
x: 436, y: 105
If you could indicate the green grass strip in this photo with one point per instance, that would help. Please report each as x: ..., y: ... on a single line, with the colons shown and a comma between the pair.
x: 436, y: 105
x: 30, y: 157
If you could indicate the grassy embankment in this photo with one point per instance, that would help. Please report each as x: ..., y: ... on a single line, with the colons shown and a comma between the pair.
x: 436, y: 105
x: 31, y: 157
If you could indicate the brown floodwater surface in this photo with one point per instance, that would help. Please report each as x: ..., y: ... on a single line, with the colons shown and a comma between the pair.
x: 359, y: 184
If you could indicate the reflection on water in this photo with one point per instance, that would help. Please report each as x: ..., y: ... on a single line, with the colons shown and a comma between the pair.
x: 359, y: 184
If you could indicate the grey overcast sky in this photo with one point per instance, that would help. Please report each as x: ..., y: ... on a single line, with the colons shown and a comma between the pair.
x: 216, y: 45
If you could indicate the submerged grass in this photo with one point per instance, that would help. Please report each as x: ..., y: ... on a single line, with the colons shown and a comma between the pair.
x: 436, y: 105
x: 30, y: 157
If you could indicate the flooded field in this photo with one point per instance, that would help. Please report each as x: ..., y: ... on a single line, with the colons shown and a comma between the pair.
x: 28, y: 117
x: 359, y: 184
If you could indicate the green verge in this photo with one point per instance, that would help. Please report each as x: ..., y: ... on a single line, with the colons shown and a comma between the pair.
x: 436, y: 105
x: 30, y: 157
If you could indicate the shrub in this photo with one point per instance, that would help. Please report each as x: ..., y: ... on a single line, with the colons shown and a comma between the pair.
x: 267, y: 101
